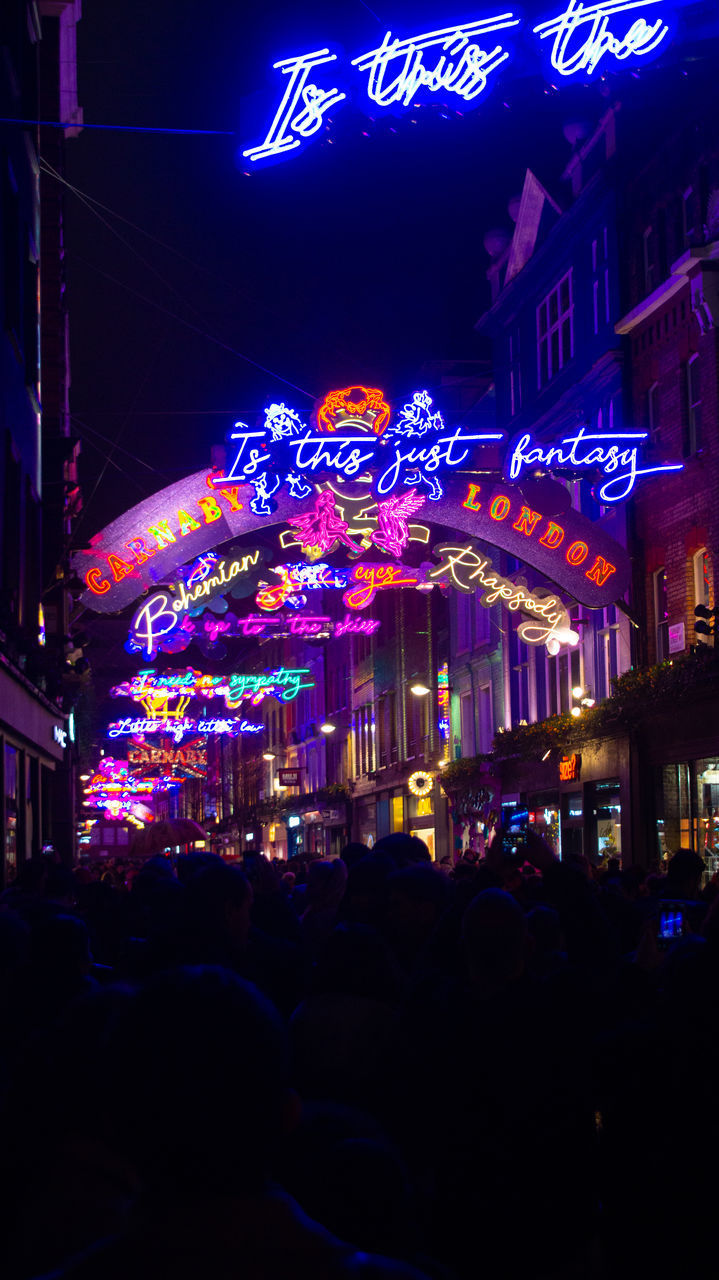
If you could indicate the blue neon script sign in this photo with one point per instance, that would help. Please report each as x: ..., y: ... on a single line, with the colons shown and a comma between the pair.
x: 457, y: 64
x: 415, y: 449
x: 614, y: 454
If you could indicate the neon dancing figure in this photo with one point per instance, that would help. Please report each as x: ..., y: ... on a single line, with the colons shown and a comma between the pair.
x: 261, y: 504
x: 320, y: 529
x: 392, y: 533
x: 297, y: 486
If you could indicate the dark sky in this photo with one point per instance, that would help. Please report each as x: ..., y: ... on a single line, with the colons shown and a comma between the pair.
x: 356, y: 260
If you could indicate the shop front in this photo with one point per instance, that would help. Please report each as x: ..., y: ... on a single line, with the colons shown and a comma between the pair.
x: 681, y: 783
x: 365, y: 820
x: 580, y: 803
x: 336, y: 831
x: 421, y: 808
x: 35, y: 777
x: 687, y: 805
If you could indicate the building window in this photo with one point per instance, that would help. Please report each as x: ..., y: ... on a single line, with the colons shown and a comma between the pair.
x: 649, y: 259
x: 688, y: 206
x: 518, y: 677
x: 703, y: 586
x: 392, y: 725
x: 600, y: 283
x: 466, y: 708
x: 382, y: 753
x: 661, y: 614
x: 607, y: 653
x: 564, y: 673
x: 692, y: 435
x: 464, y: 621
x: 555, y: 331
x: 515, y: 374
x: 482, y: 622
x: 653, y: 413
x: 486, y: 723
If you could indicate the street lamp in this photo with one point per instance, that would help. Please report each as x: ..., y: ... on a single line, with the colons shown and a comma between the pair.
x: 419, y: 690
x: 268, y: 755
x: 327, y: 727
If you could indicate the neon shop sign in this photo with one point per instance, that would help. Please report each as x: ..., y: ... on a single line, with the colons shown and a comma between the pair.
x: 456, y: 65
x: 172, y: 756
x: 180, y: 727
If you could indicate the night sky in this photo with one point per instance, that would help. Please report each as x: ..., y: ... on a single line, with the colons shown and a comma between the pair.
x: 355, y: 260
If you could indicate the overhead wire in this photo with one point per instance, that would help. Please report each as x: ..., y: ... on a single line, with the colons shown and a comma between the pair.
x: 85, y: 426
x: 206, y: 333
x: 117, y: 128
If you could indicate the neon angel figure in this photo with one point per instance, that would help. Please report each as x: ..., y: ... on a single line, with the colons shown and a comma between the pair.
x: 321, y: 528
x: 291, y: 126
x: 397, y: 70
x: 392, y: 534
x: 264, y: 486
x: 582, y: 36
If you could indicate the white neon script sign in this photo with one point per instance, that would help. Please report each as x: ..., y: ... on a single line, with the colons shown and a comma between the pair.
x: 469, y: 570
x: 457, y: 62
x: 614, y: 453
x: 178, y: 728
x: 291, y: 126
x: 397, y: 70
x: 582, y: 36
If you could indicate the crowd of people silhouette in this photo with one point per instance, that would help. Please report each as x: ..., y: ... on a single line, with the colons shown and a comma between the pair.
x: 373, y: 1066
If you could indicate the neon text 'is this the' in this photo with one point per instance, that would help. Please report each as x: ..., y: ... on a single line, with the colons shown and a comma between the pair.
x: 460, y: 62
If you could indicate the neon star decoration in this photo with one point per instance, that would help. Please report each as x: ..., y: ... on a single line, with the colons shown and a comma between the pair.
x: 457, y: 65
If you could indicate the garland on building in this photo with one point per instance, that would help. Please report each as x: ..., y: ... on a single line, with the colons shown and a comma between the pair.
x: 637, y: 694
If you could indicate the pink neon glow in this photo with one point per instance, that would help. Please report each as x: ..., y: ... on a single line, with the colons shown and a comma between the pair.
x: 392, y: 532
x: 320, y: 529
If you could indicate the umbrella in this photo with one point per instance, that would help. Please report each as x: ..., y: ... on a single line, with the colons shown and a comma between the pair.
x: 164, y: 835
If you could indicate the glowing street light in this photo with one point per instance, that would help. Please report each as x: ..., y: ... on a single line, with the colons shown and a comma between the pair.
x: 419, y: 690
x: 327, y: 727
